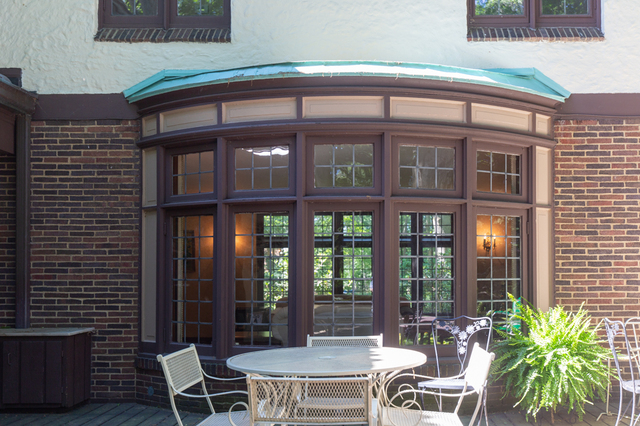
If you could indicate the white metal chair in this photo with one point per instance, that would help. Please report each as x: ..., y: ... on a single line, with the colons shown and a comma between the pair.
x: 403, y: 408
x: 461, y: 329
x: 345, y: 341
x: 182, y: 370
x: 352, y: 341
x: 613, y: 329
x: 310, y: 401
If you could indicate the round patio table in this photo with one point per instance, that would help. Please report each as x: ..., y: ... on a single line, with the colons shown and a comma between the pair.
x: 326, y: 361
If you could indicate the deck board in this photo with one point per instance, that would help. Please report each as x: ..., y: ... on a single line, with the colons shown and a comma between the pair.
x: 131, y: 414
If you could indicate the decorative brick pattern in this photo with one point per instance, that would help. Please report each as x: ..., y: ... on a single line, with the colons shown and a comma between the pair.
x: 7, y: 240
x: 597, y: 196
x: 159, y: 35
x: 85, y: 241
x: 531, y: 34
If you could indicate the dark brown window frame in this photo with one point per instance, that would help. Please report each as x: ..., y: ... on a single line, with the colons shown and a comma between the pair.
x: 480, y: 145
x: 168, y: 178
x: 232, y: 144
x: 460, y: 248
x: 165, y: 290
x: 533, y: 18
x: 166, y: 18
x: 229, y: 259
x: 356, y: 138
x: 456, y: 144
x: 525, y: 214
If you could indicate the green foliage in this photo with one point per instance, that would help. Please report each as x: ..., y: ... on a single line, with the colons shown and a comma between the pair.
x: 499, y: 7
x: 557, y: 361
x: 200, y: 7
x: 565, y: 7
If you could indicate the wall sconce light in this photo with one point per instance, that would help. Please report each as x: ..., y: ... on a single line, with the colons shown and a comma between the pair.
x: 488, y: 245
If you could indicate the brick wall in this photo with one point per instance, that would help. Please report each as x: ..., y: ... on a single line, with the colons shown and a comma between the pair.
x: 598, y: 216
x: 85, y: 241
x: 7, y: 240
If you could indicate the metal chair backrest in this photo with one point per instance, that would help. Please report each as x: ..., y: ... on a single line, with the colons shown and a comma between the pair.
x: 182, y: 370
x: 613, y: 330
x: 477, y: 370
x: 345, y: 341
x: 462, y: 329
x: 632, y: 332
x: 310, y: 401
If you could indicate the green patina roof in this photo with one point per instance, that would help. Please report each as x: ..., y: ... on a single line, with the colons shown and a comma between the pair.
x: 528, y: 80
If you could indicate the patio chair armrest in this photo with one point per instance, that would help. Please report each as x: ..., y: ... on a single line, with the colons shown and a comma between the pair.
x: 412, y: 393
x: 223, y: 379
x: 231, y: 410
x: 190, y: 395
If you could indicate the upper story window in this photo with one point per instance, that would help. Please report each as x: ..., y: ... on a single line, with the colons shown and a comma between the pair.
x: 164, y: 15
x: 534, y: 13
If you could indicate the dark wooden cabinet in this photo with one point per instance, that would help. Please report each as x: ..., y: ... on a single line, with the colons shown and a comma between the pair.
x: 45, y: 367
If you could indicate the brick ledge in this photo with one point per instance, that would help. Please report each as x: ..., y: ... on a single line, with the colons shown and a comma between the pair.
x: 539, y: 34
x: 159, y: 35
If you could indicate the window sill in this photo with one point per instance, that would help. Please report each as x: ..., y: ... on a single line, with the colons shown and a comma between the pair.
x: 563, y: 34
x: 159, y: 35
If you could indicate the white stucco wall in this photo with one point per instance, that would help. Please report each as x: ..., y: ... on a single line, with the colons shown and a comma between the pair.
x: 52, y: 41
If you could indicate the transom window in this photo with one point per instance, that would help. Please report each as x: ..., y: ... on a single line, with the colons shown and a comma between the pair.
x: 498, y: 172
x: 426, y: 167
x: 262, y: 168
x: 192, y: 173
x: 534, y: 13
x: 343, y: 166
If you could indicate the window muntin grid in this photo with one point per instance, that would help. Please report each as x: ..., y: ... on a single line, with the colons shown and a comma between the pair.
x: 261, y: 277
x: 262, y: 168
x: 499, y: 7
x: 426, y: 273
x: 565, y: 7
x: 134, y: 7
x: 192, y: 173
x: 499, y: 261
x: 343, y: 165
x: 192, y: 279
x: 426, y: 167
x: 498, y: 173
x: 200, y: 7
x: 343, y: 274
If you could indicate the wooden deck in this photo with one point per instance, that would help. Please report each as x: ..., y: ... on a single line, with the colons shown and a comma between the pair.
x: 142, y: 415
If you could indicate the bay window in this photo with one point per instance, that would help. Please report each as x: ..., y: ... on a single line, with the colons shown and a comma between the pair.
x: 267, y: 235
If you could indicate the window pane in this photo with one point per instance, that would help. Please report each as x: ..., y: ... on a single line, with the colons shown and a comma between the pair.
x: 499, y: 7
x: 426, y: 167
x: 343, y: 274
x: 200, y: 7
x: 343, y: 166
x: 192, y: 279
x: 499, y: 268
x: 565, y: 7
x: 261, y: 279
x: 498, y: 173
x: 426, y: 274
x: 193, y: 173
x: 262, y: 168
x: 134, y: 7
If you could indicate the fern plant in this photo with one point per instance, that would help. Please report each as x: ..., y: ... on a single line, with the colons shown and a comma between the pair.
x: 554, y: 360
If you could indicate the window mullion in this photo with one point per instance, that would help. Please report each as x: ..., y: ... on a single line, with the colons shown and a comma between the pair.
x: 534, y: 7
